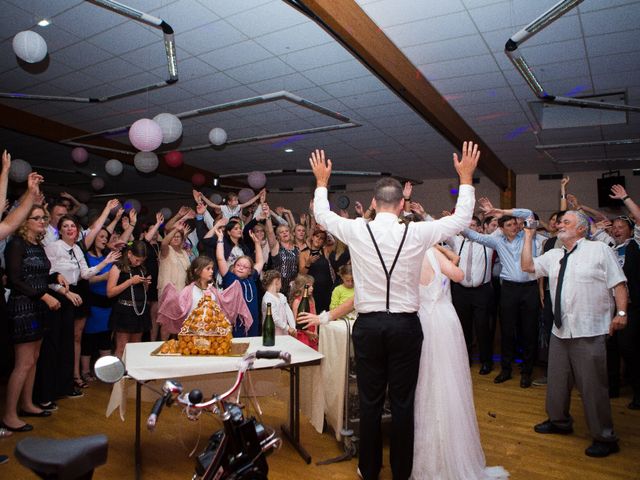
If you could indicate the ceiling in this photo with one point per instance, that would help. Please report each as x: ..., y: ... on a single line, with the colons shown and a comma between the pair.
x: 229, y: 50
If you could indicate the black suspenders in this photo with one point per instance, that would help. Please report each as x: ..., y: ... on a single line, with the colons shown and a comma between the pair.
x: 395, y: 260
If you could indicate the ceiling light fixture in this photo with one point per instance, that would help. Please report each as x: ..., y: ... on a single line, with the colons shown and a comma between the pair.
x: 44, y: 23
x: 94, y: 174
x: 288, y: 150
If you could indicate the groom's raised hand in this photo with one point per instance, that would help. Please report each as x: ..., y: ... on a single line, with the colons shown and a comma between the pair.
x: 466, y: 165
x: 321, y: 168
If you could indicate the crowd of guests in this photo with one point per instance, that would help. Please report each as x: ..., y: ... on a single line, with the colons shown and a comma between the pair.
x: 76, y: 292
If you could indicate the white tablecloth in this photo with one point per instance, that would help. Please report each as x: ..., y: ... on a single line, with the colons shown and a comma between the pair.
x: 141, y: 365
x: 333, y: 345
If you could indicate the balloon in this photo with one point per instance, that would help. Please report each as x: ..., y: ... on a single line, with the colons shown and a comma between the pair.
x: 166, y: 213
x: 173, y: 159
x: 145, y: 135
x: 198, y: 179
x: 170, y: 125
x: 113, y: 167
x: 19, y: 170
x: 217, y: 136
x: 30, y: 46
x: 257, y: 180
x: 245, y: 195
x: 145, y: 162
x: 97, y: 183
x: 79, y: 155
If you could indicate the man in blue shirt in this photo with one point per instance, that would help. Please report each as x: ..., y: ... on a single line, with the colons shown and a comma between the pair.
x: 519, y: 299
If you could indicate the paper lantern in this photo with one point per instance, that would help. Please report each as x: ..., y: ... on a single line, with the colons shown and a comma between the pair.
x: 245, y: 195
x: 198, y: 179
x: 173, y: 159
x: 145, y: 135
x: 166, y: 213
x: 145, y: 162
x: 132, y: 203
x: 79, y: 155
x: 257, y: 180
x: 84, y: 196
x: 97, y: 183
x: 29, y: 46
x: 19, y: 170
x: 216, y: 198
x: 217, y: 136
x: 113, y: 167
x: 82, y: 210
x: 170, y: 125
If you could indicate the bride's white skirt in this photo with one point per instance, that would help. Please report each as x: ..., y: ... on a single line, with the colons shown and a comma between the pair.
x: 447, y: 441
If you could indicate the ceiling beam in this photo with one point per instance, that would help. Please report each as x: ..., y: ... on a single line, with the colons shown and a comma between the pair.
x: 355, y: 30
x: 40, y: 127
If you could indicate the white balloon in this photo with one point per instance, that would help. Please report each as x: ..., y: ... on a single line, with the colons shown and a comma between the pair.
x: 216, y: 198
x: 30, y: 46
x: 166, y: 213
x: 82, y: 210
x: 217, y: 136
x: 19, y: 170
x: 97, y: 183
x: 145, y: 162
x: 113, y: 167
x: 170, y: 125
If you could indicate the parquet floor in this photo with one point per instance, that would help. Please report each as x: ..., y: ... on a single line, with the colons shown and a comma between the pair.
x: 506, y: 415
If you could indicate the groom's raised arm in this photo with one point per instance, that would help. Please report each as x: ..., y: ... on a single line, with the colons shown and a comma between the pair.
x: 334, y: 223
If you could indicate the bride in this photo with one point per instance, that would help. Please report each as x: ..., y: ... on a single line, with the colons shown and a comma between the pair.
x: 447, y: 440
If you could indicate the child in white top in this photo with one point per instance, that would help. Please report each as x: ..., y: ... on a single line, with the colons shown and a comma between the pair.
x: 280, y: 309
x: 233, y: 208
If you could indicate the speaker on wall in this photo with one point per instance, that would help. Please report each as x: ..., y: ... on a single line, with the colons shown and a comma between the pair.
x: 604, y: 190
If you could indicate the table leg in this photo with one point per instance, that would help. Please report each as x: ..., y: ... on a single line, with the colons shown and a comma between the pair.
x: 292, y: 431
x: 138, y: 452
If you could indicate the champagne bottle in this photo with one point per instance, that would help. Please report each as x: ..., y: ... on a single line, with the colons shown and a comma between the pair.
x: 268, y: 329
x: 304, y: 307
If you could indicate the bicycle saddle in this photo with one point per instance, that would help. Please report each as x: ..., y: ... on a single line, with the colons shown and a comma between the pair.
x: 62, y: 459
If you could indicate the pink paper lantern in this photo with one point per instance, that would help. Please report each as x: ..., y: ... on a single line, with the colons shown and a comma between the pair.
x: 173, y: 159
x: 198, y: 179
x: 145, y: 135
x: 79, y: 155
x: 257, y: 180
x: 97, y: 183
x: 245, y: 195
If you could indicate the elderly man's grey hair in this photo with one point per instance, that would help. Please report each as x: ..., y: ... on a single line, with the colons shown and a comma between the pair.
x: 582, y: 220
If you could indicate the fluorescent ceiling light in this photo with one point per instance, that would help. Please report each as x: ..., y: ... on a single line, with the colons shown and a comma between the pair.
x: 44, y: 22
x: 94, y: 174
x: 288, y: 150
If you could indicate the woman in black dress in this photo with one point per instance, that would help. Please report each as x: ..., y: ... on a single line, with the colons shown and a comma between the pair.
x: 314, y: 261
x: 128, y: 282
x: 28, y: 308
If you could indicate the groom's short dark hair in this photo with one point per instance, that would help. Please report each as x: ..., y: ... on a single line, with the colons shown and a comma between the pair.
x: 388, y: 191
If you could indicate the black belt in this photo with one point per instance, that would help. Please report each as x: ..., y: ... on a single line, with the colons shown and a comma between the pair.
x: 370, y: 314
x: 470, y: 288
x: 509, y: 283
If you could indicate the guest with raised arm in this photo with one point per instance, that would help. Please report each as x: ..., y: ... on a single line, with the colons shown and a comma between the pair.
x: 17, y: 216
x: 387, y: 335
x: 233, y: 207
x: 582, y: 275
x: 283, y: 251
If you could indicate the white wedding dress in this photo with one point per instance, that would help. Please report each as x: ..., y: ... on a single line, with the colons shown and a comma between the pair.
x: 447, y: 440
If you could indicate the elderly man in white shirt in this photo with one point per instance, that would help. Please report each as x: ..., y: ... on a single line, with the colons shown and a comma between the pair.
x: 582, y: 275
x: 386, y: 258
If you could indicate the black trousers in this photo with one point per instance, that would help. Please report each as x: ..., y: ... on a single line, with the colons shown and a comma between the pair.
x: 473, y: 307
x: 519, y: 304
x: 625, y: 344
x: 387, y: 350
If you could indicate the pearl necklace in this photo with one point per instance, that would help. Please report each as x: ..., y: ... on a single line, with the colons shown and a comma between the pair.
x: 244, y: 288
x: 133, y: 299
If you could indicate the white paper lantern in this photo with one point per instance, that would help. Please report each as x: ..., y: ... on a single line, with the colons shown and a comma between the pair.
x: 19, y: 170
x: 82, y: 210
x: 97, y: 183
x: 170, y: 125
x: 217, y: 136
x: 132, y: 203
x: 29, y: 46
x: 145, y: 135
x: 145, y: 162
x: 257, y: 180
x: 245, y: 195
x: 113, y: 167
x: 216, y: 198
x: 166, y: 213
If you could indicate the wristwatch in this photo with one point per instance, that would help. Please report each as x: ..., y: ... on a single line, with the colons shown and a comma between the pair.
x: 621, y: 313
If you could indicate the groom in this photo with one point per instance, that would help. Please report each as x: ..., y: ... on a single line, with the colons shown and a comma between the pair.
x: 386, y: 258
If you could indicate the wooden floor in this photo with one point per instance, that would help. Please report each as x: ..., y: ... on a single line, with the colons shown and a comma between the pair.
x: 506, y: 415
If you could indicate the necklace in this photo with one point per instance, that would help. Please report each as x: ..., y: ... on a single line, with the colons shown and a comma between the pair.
x: 244, y: 288
x: 133, y: 299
